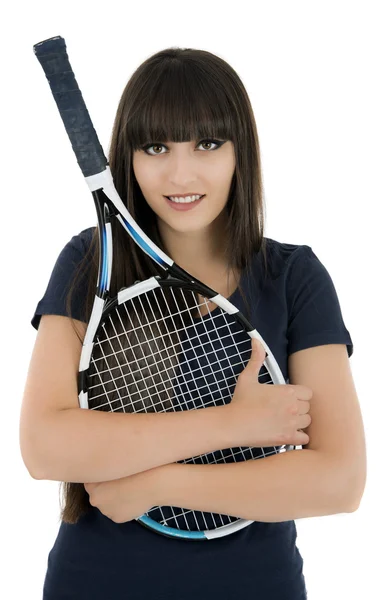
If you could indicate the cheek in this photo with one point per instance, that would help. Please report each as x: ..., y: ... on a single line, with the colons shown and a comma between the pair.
x: 141, y: 171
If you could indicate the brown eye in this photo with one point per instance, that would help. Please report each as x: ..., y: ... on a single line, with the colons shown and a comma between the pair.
x: 216, y: 143
x: 156, y: 146
x: 146, y: 148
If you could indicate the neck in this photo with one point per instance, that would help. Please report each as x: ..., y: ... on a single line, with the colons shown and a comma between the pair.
x: 201, y: 253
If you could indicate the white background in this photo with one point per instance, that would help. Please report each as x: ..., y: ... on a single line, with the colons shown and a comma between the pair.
x: 317, y: 74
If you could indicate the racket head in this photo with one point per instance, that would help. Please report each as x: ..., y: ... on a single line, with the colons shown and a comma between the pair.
x: 154, y: 351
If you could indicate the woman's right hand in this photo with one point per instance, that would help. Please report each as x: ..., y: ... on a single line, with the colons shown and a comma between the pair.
x: 263, y: 415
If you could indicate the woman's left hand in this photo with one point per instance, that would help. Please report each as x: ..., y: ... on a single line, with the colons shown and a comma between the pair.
x: 124, y: 499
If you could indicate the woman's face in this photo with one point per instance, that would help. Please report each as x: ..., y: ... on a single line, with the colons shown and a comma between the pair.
x: 201, y: 167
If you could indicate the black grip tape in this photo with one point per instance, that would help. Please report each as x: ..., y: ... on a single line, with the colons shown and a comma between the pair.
x: 54, y: 59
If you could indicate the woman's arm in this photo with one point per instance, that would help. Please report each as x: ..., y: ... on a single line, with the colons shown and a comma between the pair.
x: 62, y: 442
x: 282, y: 487
x: 87, y: 445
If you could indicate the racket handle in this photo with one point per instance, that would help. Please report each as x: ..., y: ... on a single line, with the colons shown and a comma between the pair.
x: 54, y: 60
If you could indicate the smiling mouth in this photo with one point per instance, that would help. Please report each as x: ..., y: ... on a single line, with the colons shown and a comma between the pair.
x: 177, y: 201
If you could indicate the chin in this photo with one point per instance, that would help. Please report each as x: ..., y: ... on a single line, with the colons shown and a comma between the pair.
x: 191, y: 227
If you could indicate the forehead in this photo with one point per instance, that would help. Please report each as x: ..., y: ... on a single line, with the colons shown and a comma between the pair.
x: 178, y: 124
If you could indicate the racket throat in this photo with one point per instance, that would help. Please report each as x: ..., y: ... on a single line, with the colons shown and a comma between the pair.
x: 180, y: 273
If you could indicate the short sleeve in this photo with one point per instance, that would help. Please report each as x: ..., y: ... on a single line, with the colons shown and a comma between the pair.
x: 315, y: 316
x: 53, y: 301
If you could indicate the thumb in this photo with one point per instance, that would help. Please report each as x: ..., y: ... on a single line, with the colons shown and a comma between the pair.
x: 257, y: 358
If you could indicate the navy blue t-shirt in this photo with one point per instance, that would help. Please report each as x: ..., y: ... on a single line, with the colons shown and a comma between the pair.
x: 295, y: 307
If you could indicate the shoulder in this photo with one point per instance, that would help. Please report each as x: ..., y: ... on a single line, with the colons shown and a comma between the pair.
x: 67, y: 271
x: 280, y: 257
x: 75, y: 250
x: 81, y: 241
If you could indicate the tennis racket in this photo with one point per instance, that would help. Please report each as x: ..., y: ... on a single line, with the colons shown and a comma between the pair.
x: 155, y: 346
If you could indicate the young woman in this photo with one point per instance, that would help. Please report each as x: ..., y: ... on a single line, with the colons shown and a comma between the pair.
x: 185, y: 127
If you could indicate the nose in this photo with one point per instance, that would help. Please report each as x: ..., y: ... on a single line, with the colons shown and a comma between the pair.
x: 182, y: 169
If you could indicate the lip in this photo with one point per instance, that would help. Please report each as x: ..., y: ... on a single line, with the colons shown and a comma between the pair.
x: 184, y: 195
x: 185, y: 205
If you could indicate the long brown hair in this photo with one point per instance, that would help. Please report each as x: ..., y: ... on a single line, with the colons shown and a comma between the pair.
x: 178, y: 95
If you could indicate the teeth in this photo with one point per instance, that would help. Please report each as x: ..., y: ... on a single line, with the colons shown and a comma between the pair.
x: 185, y: 200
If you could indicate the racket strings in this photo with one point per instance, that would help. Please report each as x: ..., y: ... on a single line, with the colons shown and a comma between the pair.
x: 195, y: 378
x: 139, y: 358
x: 222, y: 338
x: 132, y: 352
x: 109, y: 339
x: 156, y: 403
x: 157, y: 352
x: 162, y: 317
